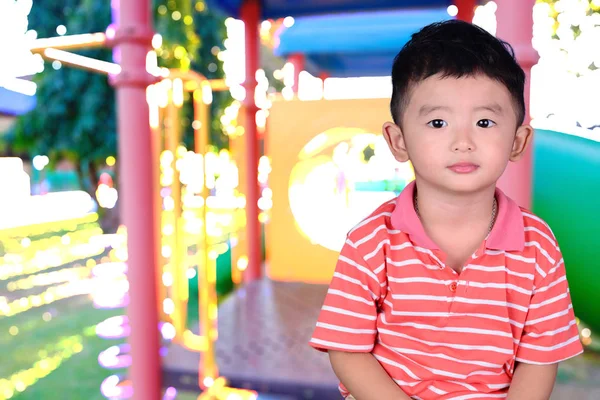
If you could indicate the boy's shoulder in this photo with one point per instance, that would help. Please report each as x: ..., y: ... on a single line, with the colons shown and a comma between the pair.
x: 376, y: 223
x: 541, y: 246
x: 538, y: 230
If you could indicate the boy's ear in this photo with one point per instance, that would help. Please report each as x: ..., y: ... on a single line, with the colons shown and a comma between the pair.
x: 522, y: 140
x: 395, y: 139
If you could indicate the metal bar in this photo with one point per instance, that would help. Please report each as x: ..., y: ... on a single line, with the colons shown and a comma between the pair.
x: 250, y: 14
x: 82, y: 62
x: 515, y: 25
x: 134, y: 38
x: 70, y: 42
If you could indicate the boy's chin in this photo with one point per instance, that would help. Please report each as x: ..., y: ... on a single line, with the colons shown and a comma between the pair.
x: 464, y: 184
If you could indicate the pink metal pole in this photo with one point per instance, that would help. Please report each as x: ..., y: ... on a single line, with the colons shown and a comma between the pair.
x: 134, y: 38
x: 297, y: 60
x: 515, y: 25
x: 250, y: 14
x: 466, y: 9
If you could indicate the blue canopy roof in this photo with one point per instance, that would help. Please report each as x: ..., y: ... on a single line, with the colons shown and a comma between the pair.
x: 12, y: 103
x: 354, y: 44
x: 348, y: 66
x: 272, y: 9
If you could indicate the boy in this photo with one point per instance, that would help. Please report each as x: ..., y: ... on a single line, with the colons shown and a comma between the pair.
x: 451, y: 291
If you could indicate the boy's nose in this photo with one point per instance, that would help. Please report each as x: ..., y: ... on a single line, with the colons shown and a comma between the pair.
x: 463, y: 146
x: 463, y: 141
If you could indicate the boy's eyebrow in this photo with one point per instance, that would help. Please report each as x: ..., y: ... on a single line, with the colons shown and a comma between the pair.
x: 426, y: 109
x: 493, y: 107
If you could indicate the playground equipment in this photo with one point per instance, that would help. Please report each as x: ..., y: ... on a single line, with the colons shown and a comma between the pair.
x: 190, y: 223
x: 196, y: 227
x: 323, y: 183
x: 191, y: 231
x: 566, y: 188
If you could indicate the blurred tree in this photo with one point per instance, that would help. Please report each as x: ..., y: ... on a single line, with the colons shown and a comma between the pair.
x: 192, y: 39
x: 76, y: 117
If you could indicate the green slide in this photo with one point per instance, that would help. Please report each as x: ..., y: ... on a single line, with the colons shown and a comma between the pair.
x: 566, y: 193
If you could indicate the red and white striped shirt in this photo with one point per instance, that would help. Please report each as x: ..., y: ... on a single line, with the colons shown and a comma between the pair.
x: 440, y: 334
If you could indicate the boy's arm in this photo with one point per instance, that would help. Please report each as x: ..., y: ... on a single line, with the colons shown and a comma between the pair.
x: 550, y: 333
x: 532, y: 382
x: 364, y: 377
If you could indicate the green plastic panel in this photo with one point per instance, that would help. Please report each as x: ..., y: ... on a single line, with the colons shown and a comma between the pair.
x: 566, y: 194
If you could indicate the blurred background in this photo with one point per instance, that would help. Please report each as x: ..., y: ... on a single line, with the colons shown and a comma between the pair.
x: 194, y: 166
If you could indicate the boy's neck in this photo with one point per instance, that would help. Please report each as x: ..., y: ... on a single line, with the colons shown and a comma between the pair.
x: 440, y: 209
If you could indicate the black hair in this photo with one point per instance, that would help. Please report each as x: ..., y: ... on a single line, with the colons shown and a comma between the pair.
x: 455, y: 49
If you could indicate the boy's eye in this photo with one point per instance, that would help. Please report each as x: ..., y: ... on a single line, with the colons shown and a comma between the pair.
x: 437, y: 123
x: 485, y: 123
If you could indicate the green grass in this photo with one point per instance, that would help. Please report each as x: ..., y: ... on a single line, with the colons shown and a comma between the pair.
x: 71, y: 326
x: 79, y: 375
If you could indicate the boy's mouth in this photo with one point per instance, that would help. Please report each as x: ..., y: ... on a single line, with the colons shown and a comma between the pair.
x: 463, y: 167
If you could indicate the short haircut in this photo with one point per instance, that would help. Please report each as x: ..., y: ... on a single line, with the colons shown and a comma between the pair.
x: 455, y: 49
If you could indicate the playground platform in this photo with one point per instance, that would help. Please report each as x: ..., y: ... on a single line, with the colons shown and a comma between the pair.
x: 264, y: 330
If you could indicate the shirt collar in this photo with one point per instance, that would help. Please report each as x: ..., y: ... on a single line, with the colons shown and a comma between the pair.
x: 507, y: 234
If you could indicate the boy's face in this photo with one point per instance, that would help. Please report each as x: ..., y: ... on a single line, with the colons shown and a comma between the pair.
x: 459, y: 134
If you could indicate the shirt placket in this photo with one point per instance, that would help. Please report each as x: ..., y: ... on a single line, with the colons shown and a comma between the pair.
x: 450, y: 276
x: 463, y: 282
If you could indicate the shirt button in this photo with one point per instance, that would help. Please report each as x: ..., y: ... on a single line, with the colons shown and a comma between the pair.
x: 453, y: 286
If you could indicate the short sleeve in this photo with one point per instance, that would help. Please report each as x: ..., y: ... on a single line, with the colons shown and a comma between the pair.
x: 348, y: 318
x: 550, y: 334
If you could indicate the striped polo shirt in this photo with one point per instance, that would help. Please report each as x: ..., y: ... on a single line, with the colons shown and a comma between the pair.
x: 438, y: 333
